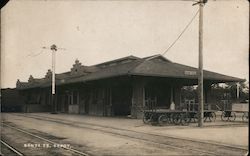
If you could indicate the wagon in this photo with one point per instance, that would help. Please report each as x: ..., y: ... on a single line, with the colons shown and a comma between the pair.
x: 175, y: 117
x: 209, y: 115
x: 230, y: 115
x: 166, y: 116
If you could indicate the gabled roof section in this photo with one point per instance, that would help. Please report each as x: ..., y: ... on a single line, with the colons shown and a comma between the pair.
x: 120, y: 69
x: 175, y: 70
x: 158, y: 57
x: 156, y: 66
x: 117, y: 61
x: 63, y: 75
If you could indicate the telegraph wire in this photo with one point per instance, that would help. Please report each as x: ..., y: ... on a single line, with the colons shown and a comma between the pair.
x: 39, y: 53
x: 34, y: 55
x: 190, y: 22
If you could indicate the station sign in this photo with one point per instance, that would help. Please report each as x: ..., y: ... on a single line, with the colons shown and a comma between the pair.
x: 187, y: 72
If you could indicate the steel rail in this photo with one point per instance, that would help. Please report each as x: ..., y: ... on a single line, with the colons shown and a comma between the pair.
x: 11, y: 148
x: 46, y: 140
x: 134, y: 137
x: 57, y: 120
x: 145, y: 140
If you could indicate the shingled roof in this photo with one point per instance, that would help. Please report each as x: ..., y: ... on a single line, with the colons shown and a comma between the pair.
x: 156, y: 66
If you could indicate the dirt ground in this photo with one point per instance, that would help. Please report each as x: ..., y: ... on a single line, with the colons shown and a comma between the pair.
x: 232, y: 133
x: 96, y: 142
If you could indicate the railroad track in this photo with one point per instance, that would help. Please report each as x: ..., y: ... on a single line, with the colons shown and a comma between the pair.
x: 197, y: 152
x: 11, y: 148
x: 72, y: 150
x: 201, y: 148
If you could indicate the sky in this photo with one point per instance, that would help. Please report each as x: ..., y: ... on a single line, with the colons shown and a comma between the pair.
x: 97, y: 31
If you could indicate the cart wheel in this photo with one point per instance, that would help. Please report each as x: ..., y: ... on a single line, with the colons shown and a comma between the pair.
x: 177, y: 119
x: 205, y: 119
x: 245, y: 117
x: 232, y: 117
x: 184, y: 119
x: 212, y: 117
x: 171, y: 118
x: 163, y: 119
x: 195, y: 118
x: 224, y: 117
x: 147, y: 118
x: 189, y: 118
x: 206, y: 116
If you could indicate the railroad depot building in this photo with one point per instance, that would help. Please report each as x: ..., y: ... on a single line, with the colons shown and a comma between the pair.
x: 119, y: 87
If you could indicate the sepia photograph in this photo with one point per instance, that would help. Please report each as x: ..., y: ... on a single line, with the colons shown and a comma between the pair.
x: 124, y: 77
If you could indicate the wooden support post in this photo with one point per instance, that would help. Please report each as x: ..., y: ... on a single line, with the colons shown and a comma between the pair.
x: 110, y: 102
x: 143, y: 96
x: 138, y: 98
x: 172, y: 104
x: 238, y: 91
x: 172, y: 94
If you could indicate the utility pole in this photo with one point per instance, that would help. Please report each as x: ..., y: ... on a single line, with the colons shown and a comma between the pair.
x: 200, y: 76
x: 53, y: 91
x: 53, y: 48
x: 201, y: 4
